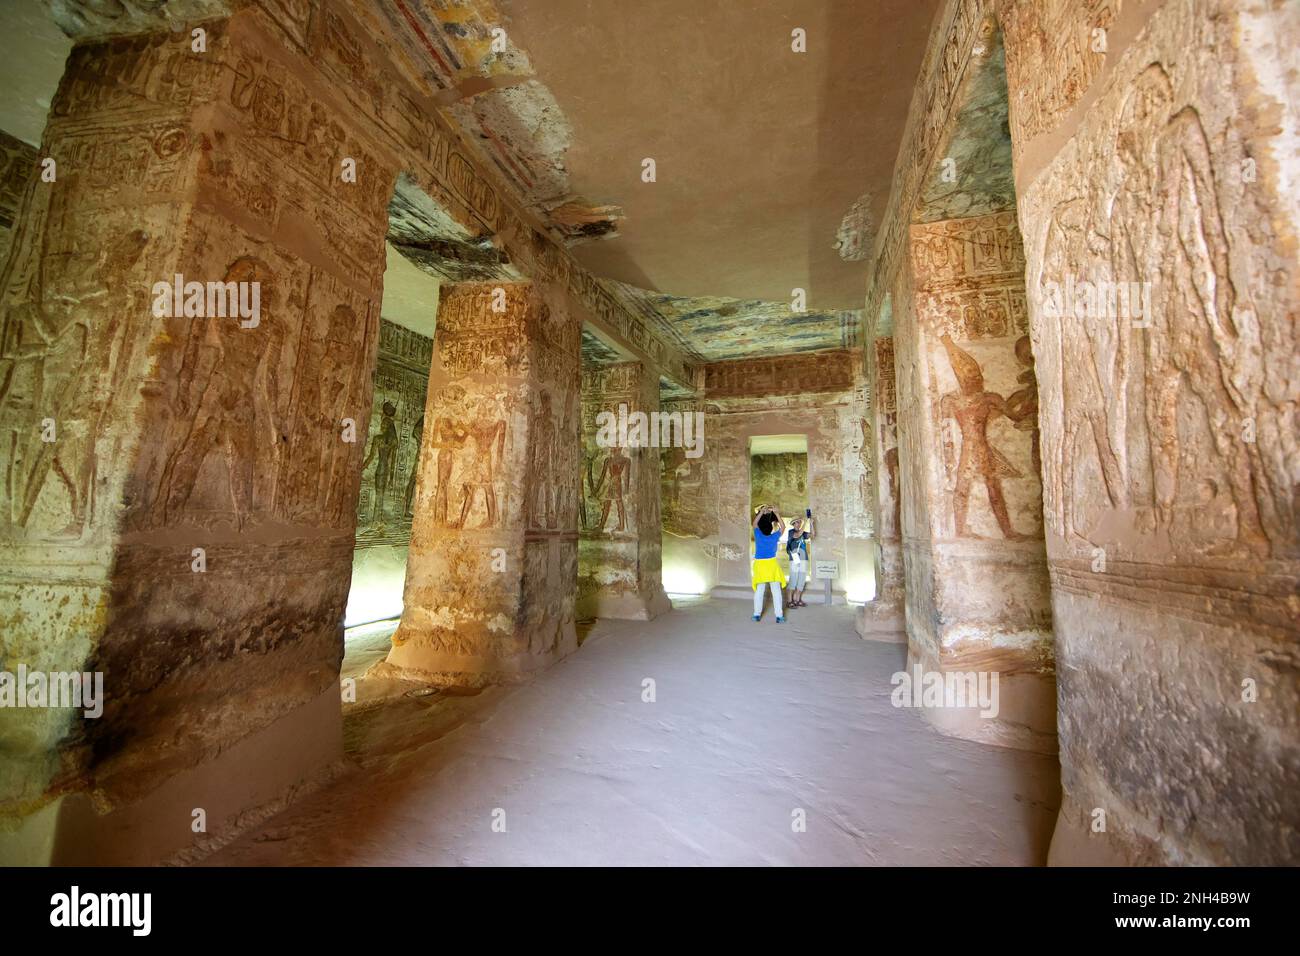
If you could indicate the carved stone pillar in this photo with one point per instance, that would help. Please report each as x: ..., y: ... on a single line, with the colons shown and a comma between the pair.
x: 492, y: 571
x: 620, y: 552
x: 978, y: 598
x: 882, y: 618
x: 179, y: 485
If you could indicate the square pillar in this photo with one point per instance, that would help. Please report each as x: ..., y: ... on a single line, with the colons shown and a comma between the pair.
x: 620, y: 549
x: 977, y: 588
x: 882, y: 618
x: 492, y: 570
x: 180, y: 487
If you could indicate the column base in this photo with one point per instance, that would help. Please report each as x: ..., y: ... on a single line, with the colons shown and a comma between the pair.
x: 881, y: 621
x: 426, y: 658
x: 624, y: 607
x: 1025, y: 717
x: 1075, y: 844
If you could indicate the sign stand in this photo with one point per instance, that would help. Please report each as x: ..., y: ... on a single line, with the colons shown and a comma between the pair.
x: 828, y: 571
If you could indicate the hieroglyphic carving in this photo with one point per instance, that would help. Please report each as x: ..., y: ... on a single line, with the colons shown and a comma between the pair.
x: 780, y: 480
x: 970, y: 306
x: 886, y: 438
x: 397, y: 428
x: 962, y: 28
x: 689, y: 508
x: 1055, y: 49
x: 1052, y: 39
x: 17, y: 163
x: 607, y: 472
x: 787, y: 374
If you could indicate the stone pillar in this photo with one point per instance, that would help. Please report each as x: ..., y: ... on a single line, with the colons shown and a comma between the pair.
x: 619, y: 556
x: 180, y: 490
x: 1164, y: 301
x: 976, y: 575
x: 882, y: 618
x: 492, y: 570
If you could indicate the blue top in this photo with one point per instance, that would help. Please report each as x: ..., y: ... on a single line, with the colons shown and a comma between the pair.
x: 765, y: 544
x: 798, y: 541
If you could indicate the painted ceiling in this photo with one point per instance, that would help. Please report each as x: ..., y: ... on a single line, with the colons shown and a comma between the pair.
x: 772, y: 166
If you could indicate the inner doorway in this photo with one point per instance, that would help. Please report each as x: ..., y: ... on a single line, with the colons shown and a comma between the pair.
x: 778, y: 478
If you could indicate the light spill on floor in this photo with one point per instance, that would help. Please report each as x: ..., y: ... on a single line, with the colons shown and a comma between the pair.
x: 751, y: 723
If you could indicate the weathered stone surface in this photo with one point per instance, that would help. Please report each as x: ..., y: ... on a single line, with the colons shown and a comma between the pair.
x: 882, y: 618
x: 1169, y: 444
x: 1153, y: 144
x: 619, y: 557
x: 174, y: 434
x: 494, y: 542
x: 17, y: 166
x: 977, y: 587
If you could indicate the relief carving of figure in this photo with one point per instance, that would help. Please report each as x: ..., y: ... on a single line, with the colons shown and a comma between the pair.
x: 479, y: 459
x: 68, y: 347
x: 1022, y: 404
x: 384, y: 446
x: 1092, y: 374
x: 323, y: 401
x: 612, y: 485
x: 225, y: 402
x: 449, y: 436
x: 417, y: 436
x: 542, y: 463
x: 972, y: 408
x: 1166, y: 229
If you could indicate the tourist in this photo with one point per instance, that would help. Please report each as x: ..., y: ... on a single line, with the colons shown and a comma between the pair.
x: 768, y: 528
x: 796, y: 548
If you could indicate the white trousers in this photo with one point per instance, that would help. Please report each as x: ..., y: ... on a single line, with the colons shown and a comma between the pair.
x: 798, y: 574
x: 776, y: 598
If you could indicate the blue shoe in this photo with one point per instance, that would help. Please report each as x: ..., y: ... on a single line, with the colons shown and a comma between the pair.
x: 780, y: 620
x: 757, y: 617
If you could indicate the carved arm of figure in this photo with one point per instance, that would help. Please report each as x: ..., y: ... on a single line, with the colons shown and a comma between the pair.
x: 500, y: 435
x: 370, y: 454
x: 600, y: 482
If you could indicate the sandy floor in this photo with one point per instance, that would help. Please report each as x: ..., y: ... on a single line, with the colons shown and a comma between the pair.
x: 751, y: 724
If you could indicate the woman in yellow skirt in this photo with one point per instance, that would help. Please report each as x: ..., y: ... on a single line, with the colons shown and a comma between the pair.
x: 768, y: 528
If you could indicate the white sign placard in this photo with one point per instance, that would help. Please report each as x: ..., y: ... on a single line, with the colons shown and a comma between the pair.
x: 828, y: 569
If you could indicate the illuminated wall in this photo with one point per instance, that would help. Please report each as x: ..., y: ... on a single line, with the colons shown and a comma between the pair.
x: 388, y: 476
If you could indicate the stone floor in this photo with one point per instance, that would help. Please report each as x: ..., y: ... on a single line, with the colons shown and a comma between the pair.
x: 750, y: 723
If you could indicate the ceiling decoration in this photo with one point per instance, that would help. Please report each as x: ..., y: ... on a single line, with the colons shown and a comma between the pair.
x: 772, y: 166
x: 437, y: 244
x: 471, y: 66
x: 596, y: 352
x: 715, y: 329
